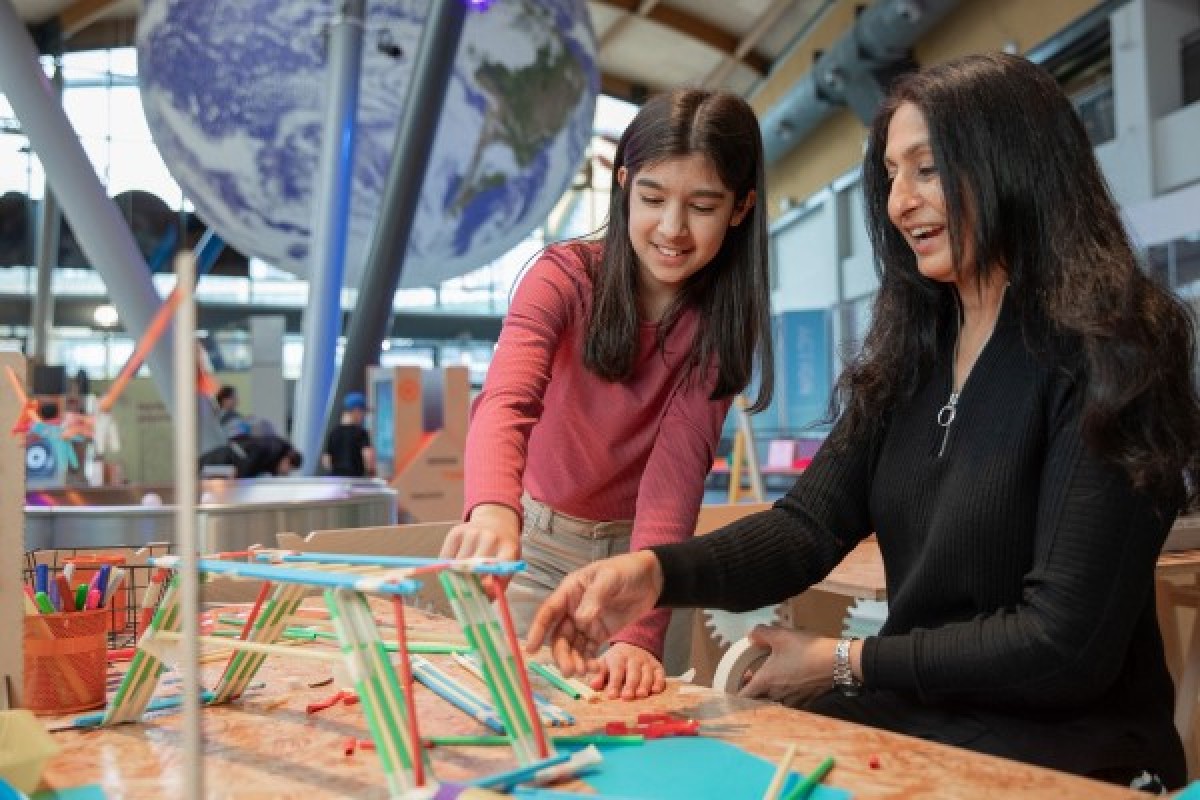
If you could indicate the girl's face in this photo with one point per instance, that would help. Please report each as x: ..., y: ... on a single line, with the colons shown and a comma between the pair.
x: 679, y: 212
x: 916, y: 205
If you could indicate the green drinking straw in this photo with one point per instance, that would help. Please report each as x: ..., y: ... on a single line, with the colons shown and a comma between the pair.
x: 804, y: 788
x: 555, y: 680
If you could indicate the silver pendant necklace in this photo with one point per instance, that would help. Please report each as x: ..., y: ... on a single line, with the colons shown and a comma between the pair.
x: 947, y: 413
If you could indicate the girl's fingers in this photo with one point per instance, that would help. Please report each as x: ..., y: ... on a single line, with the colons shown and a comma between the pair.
x: 658, y: 679
x: 618, y: 673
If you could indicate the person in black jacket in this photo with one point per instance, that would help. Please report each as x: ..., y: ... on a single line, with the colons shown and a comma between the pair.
x: 255, y: 456
x: 1020, y: 430
x: 348, y: 452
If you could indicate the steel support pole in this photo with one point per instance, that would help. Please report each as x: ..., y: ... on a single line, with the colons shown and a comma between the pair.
x: 432, y: 69
x: 49, y: 224
x: 327, y: 255
x: 104, y: 237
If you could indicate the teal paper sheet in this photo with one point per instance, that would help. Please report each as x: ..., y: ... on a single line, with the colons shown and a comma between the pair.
x: 92, y: 792
x: 691, y: 767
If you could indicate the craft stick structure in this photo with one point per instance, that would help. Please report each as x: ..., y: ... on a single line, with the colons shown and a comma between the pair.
x: 470, y: 585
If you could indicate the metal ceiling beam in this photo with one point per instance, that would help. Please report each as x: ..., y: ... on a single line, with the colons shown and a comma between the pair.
x: 642, y: 10
x: 847, y: 73
x: 73, y: 311
x: 693, y: 27
x: 81, y: 14
x: 761, y: 27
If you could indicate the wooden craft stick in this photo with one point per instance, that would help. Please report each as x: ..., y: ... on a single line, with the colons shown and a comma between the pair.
x: 228, y: 645
x: 781, y: 773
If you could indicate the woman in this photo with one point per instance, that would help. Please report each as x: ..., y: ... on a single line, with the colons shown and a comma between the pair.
x: 1017, y: 431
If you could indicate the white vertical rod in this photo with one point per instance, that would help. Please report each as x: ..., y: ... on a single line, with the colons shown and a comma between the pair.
x: 185, y: 522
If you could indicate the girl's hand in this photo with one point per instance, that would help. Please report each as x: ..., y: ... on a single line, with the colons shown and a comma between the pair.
x: 492, y: 531
x: 799, y: 668
x: 629, y: 672
x: 591, y: 605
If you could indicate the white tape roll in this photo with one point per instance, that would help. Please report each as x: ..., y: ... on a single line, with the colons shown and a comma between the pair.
x: 731, y: 669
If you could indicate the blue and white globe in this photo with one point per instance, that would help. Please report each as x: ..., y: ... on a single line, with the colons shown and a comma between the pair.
x: 234, y: 93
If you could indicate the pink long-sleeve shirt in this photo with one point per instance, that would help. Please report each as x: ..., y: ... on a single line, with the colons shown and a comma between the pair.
x: 638, y: 449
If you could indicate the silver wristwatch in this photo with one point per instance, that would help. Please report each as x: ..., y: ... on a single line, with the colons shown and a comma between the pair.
x: 843, y: 676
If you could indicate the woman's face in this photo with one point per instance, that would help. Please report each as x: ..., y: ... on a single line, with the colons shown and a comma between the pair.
x: 916, y: 205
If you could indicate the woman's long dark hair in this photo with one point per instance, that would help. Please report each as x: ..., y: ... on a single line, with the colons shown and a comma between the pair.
x: 732, y: 293
x: 1010, y: 148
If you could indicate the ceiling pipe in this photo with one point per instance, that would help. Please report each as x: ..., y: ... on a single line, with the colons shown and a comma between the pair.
x: 881, y: 38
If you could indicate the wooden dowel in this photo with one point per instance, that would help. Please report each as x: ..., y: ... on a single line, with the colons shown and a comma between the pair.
x: 258, y: 647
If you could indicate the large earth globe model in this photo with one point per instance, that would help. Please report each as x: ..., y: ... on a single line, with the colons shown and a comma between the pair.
x: 235, y: 92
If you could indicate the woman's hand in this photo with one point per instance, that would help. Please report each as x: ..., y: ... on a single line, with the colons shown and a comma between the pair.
x: 799, y: 668
x: 591, y: 605
x: 629, y: 672
x: 491, y: 531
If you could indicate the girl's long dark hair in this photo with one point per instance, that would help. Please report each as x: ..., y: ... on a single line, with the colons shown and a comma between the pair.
x: 1011, y: 150
x: 731, y: 294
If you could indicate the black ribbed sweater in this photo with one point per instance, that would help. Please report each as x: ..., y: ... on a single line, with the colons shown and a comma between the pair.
x: 1019, y: 567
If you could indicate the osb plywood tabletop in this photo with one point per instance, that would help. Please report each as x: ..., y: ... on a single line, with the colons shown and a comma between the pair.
x: 268, y: 747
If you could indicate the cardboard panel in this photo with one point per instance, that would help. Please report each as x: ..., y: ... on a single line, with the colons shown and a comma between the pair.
x: 420, y: 541
x: 12, y: 531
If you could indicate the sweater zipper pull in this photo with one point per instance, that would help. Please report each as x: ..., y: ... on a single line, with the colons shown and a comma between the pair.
x: 945, y: 417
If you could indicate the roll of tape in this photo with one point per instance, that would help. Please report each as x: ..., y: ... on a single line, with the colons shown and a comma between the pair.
x: 741, y: 657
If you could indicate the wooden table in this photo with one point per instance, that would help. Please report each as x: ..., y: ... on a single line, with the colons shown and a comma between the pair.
x: 1171, y: 598
x: 860, y: 575
x: 268, y: 747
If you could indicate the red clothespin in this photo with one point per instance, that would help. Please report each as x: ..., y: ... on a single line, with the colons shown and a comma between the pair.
x: 654, y: 727
x: 651, y: 717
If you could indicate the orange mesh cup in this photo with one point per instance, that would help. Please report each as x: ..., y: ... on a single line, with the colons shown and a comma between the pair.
x: 65, y: 661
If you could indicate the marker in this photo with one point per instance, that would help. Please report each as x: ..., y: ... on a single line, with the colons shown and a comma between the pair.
x: 93, y: 600
x: 66, y: 597
x: 68, y: 571
x: 81, y: 594
x: 41, y: 578
x: 43, y: 603
x: 114, y: 583
x: 102, y: 580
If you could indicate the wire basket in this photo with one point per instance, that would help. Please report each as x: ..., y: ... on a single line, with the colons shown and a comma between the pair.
x: 127, y: 613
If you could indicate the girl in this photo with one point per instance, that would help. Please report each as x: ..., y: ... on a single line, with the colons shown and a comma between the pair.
x: 617, y: 363
x: 1018, y: 431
